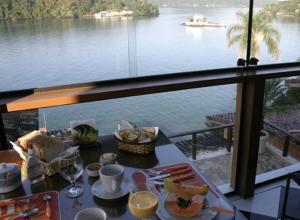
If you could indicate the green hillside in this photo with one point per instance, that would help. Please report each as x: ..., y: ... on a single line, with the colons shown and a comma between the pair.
x: 285, y: 8
x: 34, y: 9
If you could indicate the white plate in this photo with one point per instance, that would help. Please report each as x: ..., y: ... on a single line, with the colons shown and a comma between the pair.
x: 98, y: 190
x: 163, y: 213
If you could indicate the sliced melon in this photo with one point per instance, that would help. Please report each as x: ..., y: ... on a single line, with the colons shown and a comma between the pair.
x: 185, y: 191
x: 174, y: 207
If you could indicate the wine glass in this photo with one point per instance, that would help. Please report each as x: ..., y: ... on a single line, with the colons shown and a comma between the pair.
x: 143, y: 200
x: 71, y: 169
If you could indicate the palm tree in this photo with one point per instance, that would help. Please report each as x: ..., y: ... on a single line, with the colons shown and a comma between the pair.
x: 274, y: 89
x: 262, y: 30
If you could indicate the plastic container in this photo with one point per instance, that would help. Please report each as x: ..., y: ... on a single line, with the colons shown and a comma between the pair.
x: 35, y: 172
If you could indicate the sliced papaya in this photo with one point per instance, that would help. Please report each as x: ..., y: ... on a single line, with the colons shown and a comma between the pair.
x: 185, y: 191
x: 180, y: 209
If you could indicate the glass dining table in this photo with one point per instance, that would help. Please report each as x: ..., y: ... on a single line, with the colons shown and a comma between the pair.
x: 165, y: 154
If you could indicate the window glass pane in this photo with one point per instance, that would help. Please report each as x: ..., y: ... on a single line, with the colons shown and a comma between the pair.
x: 82, y: 48
x: 280, y: 138
x: 187, y: 36
x: 47, y: 52
x: 276, y: 31
x: 172, y: 112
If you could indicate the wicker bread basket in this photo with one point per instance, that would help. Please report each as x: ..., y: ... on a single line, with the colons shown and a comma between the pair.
x: 135, y: 147
x: 50, y: 168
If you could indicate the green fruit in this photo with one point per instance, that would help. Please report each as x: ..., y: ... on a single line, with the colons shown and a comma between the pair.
x: 86, y: 133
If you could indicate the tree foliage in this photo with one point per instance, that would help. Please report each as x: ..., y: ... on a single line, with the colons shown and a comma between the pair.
x: 278, y: 96
x: 274, y: 89
x: 262, y: 31
x: 35, y: 9
x: 290, y: 98
x: 288, y: 7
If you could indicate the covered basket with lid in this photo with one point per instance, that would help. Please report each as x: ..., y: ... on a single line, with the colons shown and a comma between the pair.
x: 10, y: 177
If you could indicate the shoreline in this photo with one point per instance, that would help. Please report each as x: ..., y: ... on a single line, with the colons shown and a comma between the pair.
x: 282, y: 15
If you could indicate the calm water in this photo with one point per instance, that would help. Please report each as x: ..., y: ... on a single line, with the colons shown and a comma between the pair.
x: 54, y: 52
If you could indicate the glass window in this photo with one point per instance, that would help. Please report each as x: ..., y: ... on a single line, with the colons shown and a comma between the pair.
x: 187, y: 36
x: 276, y: 31
x: 172, y: 112
x: 47, y: 52
x: 99, y: 40
x: 280, y: 137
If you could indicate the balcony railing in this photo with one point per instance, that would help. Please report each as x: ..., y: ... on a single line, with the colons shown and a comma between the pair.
x: 200, y: 131
x: 229, y: 137
x: 249, y: 111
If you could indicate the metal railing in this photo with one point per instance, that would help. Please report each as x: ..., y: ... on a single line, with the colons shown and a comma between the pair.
x: 199, y: 131
x: 229, y: 135
x: 287, y: 139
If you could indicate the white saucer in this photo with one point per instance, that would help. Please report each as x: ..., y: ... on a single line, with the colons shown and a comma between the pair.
x: 98, y: 190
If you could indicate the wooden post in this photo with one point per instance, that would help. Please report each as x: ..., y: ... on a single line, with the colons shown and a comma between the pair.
x: 194, y: 149
x: 3, y: 141
x: 249, y: 116
x: 286, y: 146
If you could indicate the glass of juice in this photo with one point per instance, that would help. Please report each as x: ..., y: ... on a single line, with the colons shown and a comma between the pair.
x: 143, y: 200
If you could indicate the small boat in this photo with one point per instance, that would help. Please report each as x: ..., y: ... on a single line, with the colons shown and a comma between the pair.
x: 108, y: 14
x: 200, y: 21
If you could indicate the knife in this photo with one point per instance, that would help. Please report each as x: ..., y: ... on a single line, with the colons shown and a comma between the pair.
x: 23, y: 214
x: 163, y: 176
x: 173, y: 173
x: 178, y: 178
x: 220, y: 209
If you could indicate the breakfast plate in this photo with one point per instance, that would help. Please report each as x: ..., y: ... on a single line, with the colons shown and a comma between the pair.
x: 98, y: 190
x: 163, y: 213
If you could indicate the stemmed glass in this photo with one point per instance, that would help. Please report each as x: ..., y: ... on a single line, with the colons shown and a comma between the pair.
x: 71, y: 169
x: 143, y: 200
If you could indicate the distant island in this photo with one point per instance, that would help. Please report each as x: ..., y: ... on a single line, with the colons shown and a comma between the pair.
x: 210, y: 3
x: 286, y: 8
x: 36, y: 9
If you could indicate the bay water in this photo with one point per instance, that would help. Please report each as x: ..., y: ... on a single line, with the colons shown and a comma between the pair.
x: 49, y: 52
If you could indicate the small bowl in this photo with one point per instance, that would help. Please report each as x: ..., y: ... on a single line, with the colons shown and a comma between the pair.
x: 107, y: 158
x: 92, y: 169
x: 91, y: 213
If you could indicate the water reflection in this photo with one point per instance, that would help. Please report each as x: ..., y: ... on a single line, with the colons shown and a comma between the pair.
x: 196, y: 32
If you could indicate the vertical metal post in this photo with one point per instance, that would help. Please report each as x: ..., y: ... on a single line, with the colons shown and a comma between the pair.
x: 131, y: 36
x: 3, y: 141
x: 286, y: 146
x: 249, y: 116
x: 229, y: 138
x: 249, y: 32
x: 194, y: 149
x: 286, y: 194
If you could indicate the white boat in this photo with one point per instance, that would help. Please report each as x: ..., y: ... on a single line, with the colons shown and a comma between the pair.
x: 200, y: 21
x: 108, y: 14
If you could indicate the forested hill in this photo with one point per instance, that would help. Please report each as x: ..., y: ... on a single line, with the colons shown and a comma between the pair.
x: 285, y: 8
x: 211, y: 3
x: 18, y: 9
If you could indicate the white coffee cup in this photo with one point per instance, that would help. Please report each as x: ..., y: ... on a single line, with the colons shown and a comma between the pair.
x: 91, y: 214
x: 111, y: 176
